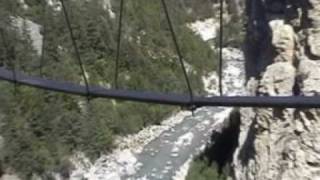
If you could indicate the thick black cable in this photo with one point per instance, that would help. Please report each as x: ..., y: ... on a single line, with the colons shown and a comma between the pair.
x: 13, y: 60
x: 178, y: 50
x: 116, y: 74
x: 162, y: 98
x: 221, y: 49
x: 74, y: 42
x: 44, y: 38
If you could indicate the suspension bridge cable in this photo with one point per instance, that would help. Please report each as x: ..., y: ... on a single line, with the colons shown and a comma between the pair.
x: 13, y: 60
x: 221, y: 49
x: 116, y: 74
x: 178, y: 50
x: 163, y: 98
x: 75, y: 48
x: 44, y: 39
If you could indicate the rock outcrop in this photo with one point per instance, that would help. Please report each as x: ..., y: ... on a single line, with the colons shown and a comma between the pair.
x: 282, y: 59
x: 235, y: 7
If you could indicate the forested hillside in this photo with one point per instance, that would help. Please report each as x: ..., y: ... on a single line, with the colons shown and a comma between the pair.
x: 42, y: 129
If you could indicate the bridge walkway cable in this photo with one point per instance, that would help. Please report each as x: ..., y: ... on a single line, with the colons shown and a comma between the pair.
x: 161, y: 98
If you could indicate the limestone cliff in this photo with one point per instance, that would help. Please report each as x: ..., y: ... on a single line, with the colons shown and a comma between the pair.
x: 282, y: 59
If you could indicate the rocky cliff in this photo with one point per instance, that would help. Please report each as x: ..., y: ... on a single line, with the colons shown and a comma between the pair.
x: 282, y: 59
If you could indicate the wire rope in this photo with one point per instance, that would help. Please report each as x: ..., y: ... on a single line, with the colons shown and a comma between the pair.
x: 116, y: 75
x: 13, y: 59
x: 44, y: 39
x: 74, y: 42
x: 221, y: 49
x: 180, y: 57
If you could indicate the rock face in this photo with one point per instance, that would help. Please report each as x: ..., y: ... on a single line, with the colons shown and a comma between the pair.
x: 282, y: 59
x: 235, y: 7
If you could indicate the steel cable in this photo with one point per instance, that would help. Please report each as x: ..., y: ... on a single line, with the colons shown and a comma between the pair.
x: 76, y: 48
x: 13, y: 59
x: 163, y: 98
x: 44, y: 39
x: 221, y: 49
x: 180, y: 57
x: 116, y: 75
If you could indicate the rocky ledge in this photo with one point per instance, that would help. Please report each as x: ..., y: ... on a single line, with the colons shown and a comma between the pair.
x: 282, y: 57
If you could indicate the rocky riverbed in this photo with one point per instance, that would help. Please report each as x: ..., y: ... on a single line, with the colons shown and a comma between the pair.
x: 165, y: 151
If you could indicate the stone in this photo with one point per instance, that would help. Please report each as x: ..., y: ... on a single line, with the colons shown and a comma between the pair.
x: 314, y: 43
x: 10, y: 177
x: 283, y: 40
x: 278, y: 143
x: 314, y: 13
x: 279, y: 79
x: 309, y: 75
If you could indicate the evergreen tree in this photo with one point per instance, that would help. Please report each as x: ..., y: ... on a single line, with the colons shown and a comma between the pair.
x: 42, y: 128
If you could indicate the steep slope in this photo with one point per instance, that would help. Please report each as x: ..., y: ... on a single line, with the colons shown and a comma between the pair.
x: 282, y: 57
x: 42, y: 129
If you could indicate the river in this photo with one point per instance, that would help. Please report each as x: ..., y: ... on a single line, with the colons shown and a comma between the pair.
x: 166, y: 151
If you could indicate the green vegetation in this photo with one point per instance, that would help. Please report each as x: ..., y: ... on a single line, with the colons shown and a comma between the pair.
x: 215, y: 163
x: 203, y: 170
x: 41, y: 129
x: 201, y: 167
x: 233, y: 33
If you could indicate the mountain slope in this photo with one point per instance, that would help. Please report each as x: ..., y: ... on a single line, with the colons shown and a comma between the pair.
x: 42, y: 129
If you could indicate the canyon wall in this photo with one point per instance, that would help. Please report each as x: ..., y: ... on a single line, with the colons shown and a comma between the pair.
x: 282, y: 59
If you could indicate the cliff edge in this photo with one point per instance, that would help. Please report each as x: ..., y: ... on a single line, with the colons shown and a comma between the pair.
x: 282, y: 59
